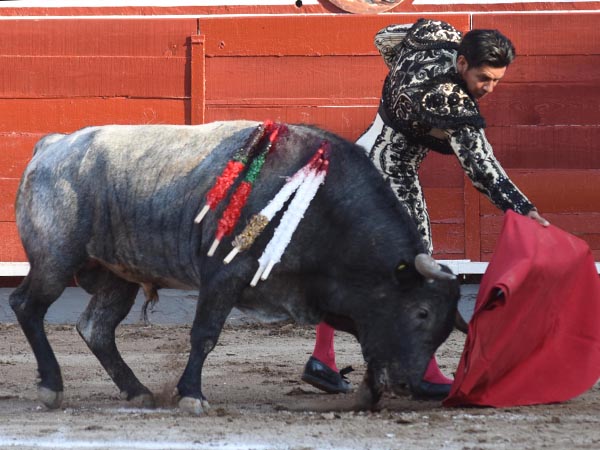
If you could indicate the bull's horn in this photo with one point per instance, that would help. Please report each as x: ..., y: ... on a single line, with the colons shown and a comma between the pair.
x: 429, y: 268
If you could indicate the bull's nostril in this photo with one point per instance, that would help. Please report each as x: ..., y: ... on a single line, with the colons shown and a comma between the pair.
x: 423, y: 314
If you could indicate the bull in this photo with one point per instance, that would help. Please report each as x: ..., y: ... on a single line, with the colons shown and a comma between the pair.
x: 114, y: 207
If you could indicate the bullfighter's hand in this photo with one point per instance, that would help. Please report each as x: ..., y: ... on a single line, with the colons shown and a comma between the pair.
x: 533, y: 214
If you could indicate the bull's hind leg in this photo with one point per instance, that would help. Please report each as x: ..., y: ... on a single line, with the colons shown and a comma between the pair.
x: 111, y: 301
x: 30, y: 302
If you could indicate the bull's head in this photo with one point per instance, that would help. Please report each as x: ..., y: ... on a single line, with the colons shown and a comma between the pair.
x: 398, y: 350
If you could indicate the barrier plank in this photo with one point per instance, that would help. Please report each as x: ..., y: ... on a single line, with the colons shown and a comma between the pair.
x: 584, y: 226
x: 16, y: 150
x: 546, y: 147
x: 448, y: 241
x: 310, y: 35
x: 547, y: 33
x: 335, y: 78
x: 10, y: 244
x: 441, y: 171
x: 567, y: 68
x: 93, y: 76
x: 348, y: 121
x: 68, y: 114
x: 543, y: 104
x: 564, y: 197
x: 445, y: 205
x: 557, y: 191
x: 76, y: 36
x: 8, y: 191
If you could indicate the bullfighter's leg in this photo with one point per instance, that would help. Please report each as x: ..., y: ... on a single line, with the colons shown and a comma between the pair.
x: 111, y: 302
x: 321, y: 370
x: 30, y: 302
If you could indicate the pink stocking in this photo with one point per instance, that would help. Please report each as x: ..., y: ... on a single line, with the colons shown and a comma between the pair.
x: 324, y: 346
x: 433, y: 374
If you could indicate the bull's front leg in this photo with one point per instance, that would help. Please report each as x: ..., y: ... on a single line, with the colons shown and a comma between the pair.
x: 369, y: 392
x: 214, y: 305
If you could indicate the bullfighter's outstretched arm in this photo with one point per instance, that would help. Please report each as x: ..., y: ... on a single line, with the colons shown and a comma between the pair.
x: 476, y: 157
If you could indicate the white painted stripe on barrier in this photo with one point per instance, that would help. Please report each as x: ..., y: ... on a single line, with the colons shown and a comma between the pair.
x: 14, y: 269
x: 149, y: 3
x: 493, y: 2
x: 464, y: 266
x: 192, y: 3
x: 468, y: 267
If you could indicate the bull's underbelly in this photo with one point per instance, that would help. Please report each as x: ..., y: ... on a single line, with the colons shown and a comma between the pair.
x: 144, y: 279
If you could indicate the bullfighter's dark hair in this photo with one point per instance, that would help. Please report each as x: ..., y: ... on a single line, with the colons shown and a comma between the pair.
x: 486, y: 47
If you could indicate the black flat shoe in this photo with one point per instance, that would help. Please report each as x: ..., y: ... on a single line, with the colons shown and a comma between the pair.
x: 322, y: 377
x: 431, y: 391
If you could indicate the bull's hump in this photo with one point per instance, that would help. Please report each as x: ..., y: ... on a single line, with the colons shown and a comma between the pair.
x: 176, y: 148
x: 151, y: 156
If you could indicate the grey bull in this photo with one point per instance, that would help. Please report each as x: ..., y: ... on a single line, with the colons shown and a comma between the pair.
x: 114, y: 207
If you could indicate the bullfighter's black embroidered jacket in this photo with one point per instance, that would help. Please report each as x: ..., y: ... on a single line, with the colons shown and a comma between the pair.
x: 426, y: 105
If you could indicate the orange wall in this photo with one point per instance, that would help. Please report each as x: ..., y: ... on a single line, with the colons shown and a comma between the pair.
x: 58, y: 75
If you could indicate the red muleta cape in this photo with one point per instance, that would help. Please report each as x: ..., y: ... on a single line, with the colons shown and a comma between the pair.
x: 539, y: 341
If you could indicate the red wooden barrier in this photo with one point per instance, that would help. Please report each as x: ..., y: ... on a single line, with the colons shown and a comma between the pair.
x: 546, y: 121
x: 59, y: 75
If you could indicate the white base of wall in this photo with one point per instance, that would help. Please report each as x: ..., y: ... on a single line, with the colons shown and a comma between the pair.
x: 468, y: 267
x: 14, y: 269
x: 464, y: 266
x: 458, y: 266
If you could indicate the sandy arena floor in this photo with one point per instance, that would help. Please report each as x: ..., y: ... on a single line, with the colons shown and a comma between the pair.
x: 252, y: 380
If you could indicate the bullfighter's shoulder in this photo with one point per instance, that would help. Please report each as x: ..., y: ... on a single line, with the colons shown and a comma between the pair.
x: 430, y: 34
x: 447, y: 105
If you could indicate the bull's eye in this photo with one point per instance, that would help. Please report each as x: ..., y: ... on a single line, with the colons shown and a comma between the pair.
x: 423, y: 314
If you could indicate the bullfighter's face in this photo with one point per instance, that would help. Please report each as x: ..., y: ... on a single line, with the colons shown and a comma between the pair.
x: 481, y: 80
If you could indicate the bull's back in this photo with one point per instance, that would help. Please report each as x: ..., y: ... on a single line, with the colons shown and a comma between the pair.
x: 153, y: 156
x: 108, y: 189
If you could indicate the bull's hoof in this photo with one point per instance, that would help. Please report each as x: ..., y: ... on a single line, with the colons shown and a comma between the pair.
x: 51, y: 399
x: 364, y: 399
x: 194, y: 406
x: 143, y: 401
